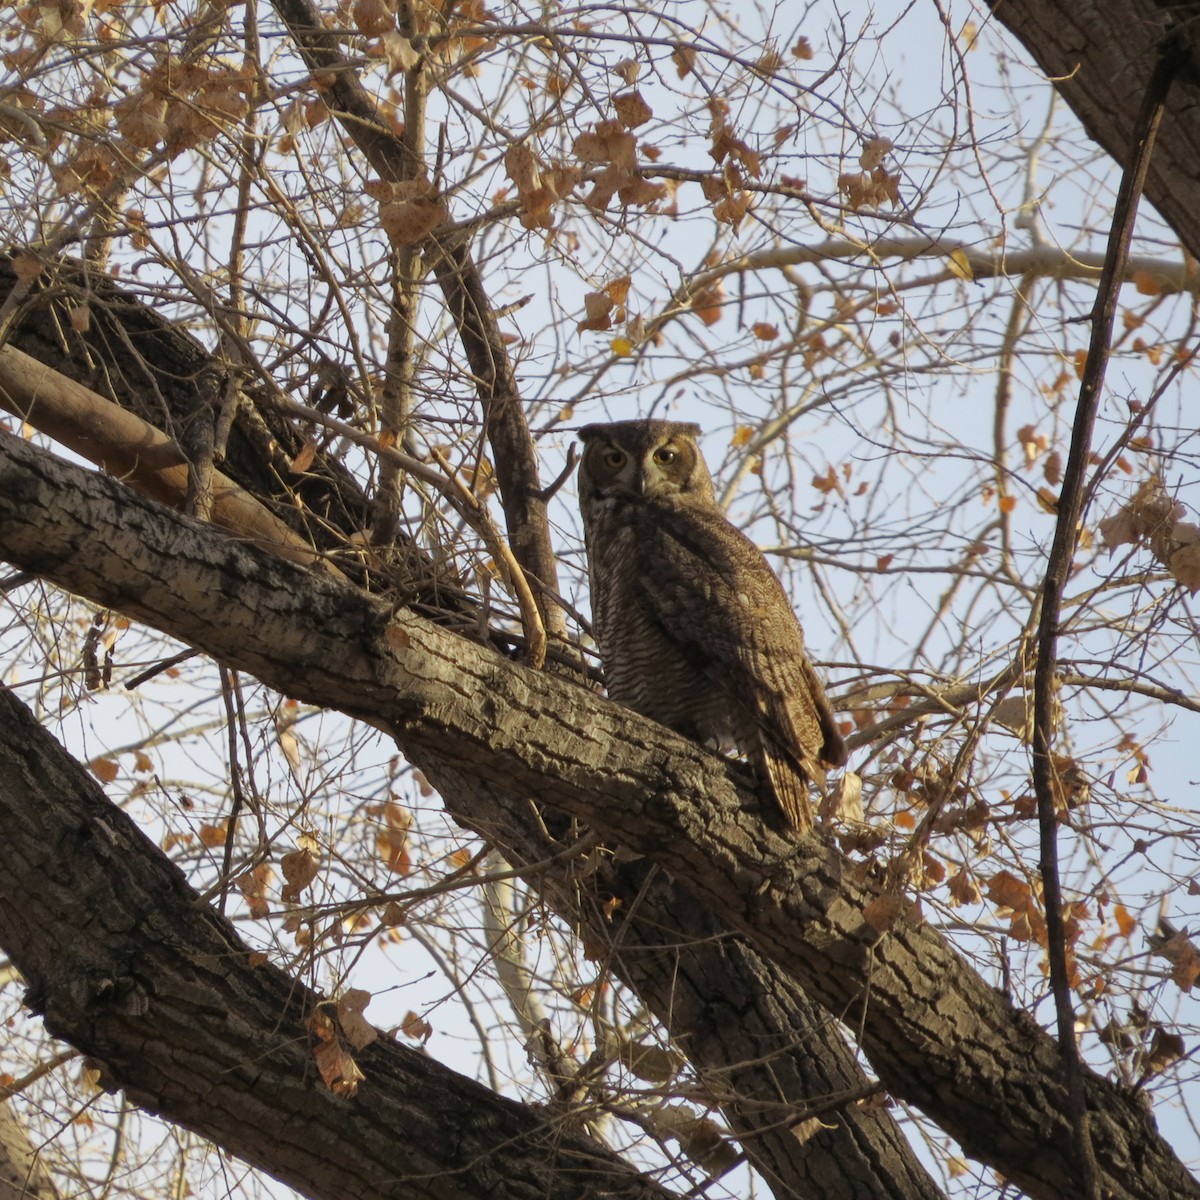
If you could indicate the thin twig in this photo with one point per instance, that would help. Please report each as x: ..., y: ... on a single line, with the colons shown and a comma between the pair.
x: 1062, y: 553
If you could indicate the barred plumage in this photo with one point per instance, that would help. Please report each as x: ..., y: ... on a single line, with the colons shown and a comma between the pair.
x: 694, y: 629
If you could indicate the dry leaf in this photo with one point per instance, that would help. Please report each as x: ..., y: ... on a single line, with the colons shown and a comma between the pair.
x: 707, y: 303
x: 684, y: 58
x: 874, y: 150
x: 963, y: 888
x: 416, y: 1027
x: 334, y: 1061
x: 253, y: 885
x: 598, y: 306
x: 393, y: 848
x: 299, y: 869
x: 843, y: 801
x: 1179, y: 951
x: 104, y: 769
x: 214, y: 835
x: 372, y: 17
x: 1184, y: 565
x: 26, y: 267
x: 1126, y: 922
x: 358, y: 1030
x: 304, y: 459
x: 884, y: 911
x: 632, y: 109
x: 628, y: 69
x: 959, y: 265
x: 1007, y: 891
x: 802, y: 1131
x: 654, y: 1064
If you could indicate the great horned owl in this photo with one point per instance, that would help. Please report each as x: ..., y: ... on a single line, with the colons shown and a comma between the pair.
x: 693, y: 627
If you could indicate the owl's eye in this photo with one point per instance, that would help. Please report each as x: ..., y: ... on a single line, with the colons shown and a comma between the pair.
x: 664, y: 456
x: 614, y: 458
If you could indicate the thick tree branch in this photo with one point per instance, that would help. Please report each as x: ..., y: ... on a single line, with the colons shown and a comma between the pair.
x: 125, y: 962
x: 748, y: 1027
x: 1100, y: 57
x: 935, y: 1032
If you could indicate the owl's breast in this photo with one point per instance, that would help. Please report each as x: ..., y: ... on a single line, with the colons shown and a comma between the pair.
x: 649, y: 669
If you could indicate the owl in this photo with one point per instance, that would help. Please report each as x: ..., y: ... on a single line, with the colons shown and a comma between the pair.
x: 693, y: 627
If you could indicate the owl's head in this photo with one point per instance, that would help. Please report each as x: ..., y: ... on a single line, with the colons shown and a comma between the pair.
x: 642, y: 459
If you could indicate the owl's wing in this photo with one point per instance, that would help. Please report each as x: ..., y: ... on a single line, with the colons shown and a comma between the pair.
x: 716, y: 596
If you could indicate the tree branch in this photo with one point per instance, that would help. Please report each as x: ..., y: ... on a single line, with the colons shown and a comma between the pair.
x: 1062, y: 555
x: 126, y: 962
x: 495, y: 380
x: 936, y: 1033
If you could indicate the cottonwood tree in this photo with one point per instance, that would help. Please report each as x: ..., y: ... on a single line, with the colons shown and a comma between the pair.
x: 324, y: 858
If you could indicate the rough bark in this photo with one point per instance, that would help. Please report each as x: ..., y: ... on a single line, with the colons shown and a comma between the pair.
x: 770, y: 1051
x: 936, y: 1033
x: 125, y: 962
x: 135, y: 357
x: 1099, y: 57
x: 766, y: 1053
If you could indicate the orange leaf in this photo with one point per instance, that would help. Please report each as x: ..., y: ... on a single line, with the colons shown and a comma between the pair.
x: 1125, y: 921
x: 104, y: 769
x: 214, y: 835
x: 1146, y: 283
x: 1006, y: 890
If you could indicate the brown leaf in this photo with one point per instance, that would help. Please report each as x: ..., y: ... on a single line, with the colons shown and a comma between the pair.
x: 874, y: 150
x: 1184, y: 565
x: 334, y: 1061
x: 843, y: 801
x: 654, y: 1064
x: 26, y: 267
x: 372, y: 17
x: 1126, y: 922
x: 598, y: 306
x: 1165, y: 1049
x: 105, y: 769
x: 1007, y: 891
x: 253, y: 885
x: 884, y: 911
x: 684, y: 58
x: 632, y: 109
x: 963, y: 888
x: 214, y: 835
x: 1179, y: 951
x: 416, y: 1027
x: 358, y: 1030
x: 707, y: 303
x: 299, y: 869
x: 304, y: 459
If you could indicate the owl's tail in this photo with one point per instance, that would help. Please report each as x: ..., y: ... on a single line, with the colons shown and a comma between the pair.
x: 790, y: 784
